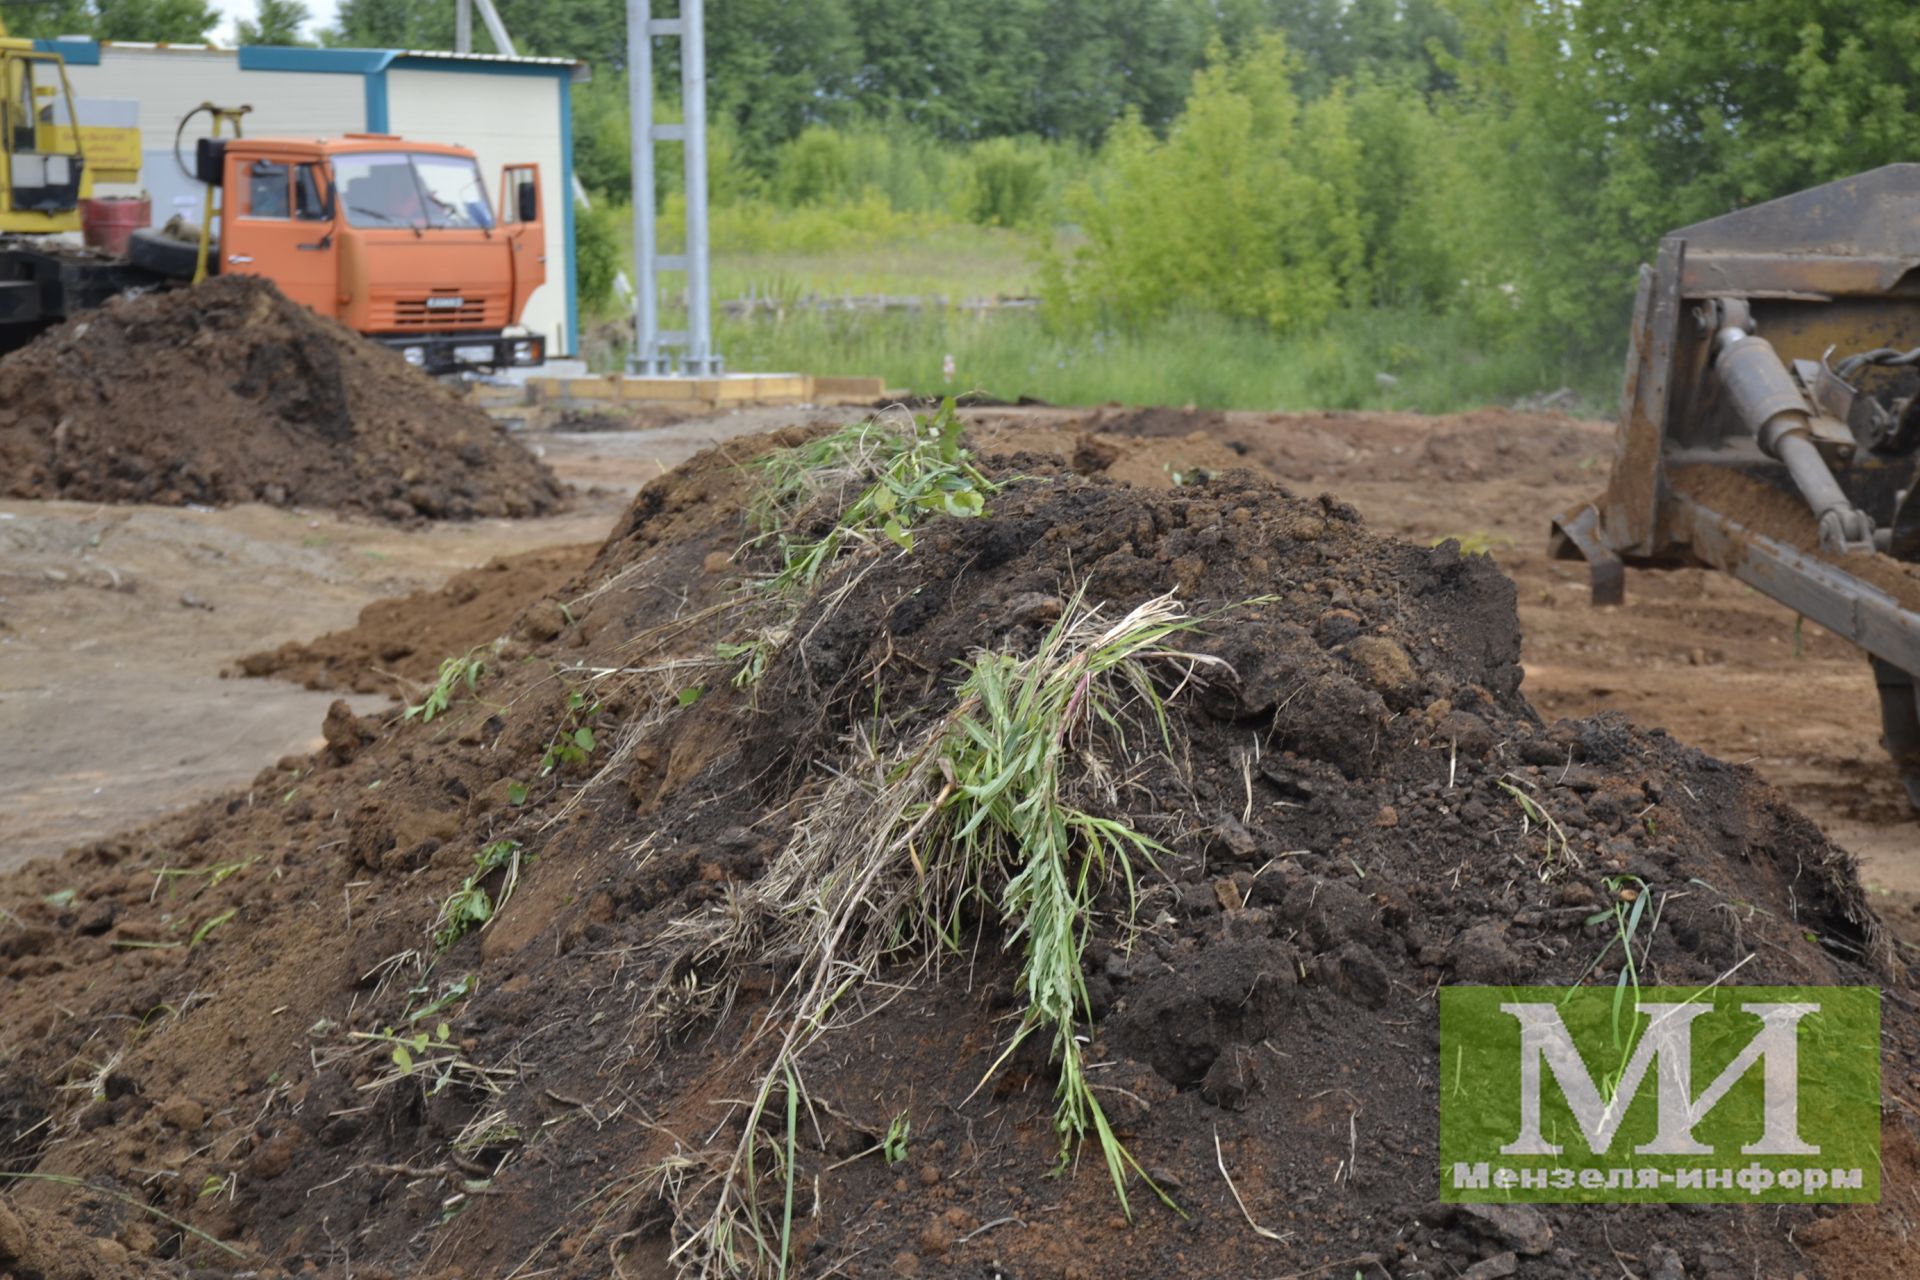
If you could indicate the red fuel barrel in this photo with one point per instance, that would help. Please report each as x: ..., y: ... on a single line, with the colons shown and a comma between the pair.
x: 107, y: 223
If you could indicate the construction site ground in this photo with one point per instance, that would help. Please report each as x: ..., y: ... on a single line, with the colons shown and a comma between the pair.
x: 118, y: 622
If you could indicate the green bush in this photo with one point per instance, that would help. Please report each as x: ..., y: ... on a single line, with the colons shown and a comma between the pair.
x: 600, y: 252
x: 896, y: 162
x: 1230, y: 212
x: 1009, y: 182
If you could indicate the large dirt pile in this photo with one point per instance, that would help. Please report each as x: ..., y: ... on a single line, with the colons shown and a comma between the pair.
x: 230, y: 393
x: 203, y: 1017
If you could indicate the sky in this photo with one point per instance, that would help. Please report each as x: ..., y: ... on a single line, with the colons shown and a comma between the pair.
x: 322, y: 10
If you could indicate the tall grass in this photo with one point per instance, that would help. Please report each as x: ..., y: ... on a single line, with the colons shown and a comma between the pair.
x: 1431, y: 363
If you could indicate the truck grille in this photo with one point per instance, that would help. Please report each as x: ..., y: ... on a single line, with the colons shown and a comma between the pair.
x: 428, y: 312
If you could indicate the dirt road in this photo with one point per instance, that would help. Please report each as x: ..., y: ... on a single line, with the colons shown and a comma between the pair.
x: 116, y: 623
x: 112, y: 708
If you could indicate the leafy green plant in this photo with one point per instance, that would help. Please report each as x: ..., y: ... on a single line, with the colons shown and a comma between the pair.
x: 751, y: 655
x: 466, y: 668
x: 453, y: 993
x: 1478, y: 542
x: 893, y: 1147
x: 470, y: 906
x: 902, y: 475
x: 573, y: 742
x: 432, y: 1058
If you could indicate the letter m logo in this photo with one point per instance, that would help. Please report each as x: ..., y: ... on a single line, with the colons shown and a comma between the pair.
x: 1664, y: 1051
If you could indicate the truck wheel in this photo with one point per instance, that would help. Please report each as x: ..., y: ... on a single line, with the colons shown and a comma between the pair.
x: 163, y: 255
x: 1900, y: 724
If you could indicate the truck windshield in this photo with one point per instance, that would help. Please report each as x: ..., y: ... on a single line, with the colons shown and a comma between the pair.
x: 411, y: 189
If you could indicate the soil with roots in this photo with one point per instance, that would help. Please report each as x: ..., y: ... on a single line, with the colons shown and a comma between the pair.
x: 228, y: 392
x: 202, y: 1017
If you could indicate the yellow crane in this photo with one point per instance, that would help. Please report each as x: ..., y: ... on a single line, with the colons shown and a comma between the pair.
x: 52, y: 159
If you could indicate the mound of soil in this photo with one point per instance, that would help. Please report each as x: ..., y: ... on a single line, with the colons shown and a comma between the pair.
x: 1480, y: 445
x: 202, y: 1017
x: 228, y: 393
x: 398, y: 643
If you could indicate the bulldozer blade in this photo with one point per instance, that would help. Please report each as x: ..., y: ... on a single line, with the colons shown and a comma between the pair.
x: 1576, y: 535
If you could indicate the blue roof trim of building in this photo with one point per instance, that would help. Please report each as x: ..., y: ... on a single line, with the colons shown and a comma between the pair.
x: 485, y: 66
x: 378, y: 120
x: 74, y: 51
x: 572, y: 344
x: 338, y: 61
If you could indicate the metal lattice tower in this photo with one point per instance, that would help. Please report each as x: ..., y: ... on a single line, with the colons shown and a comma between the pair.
x: 654, y: 348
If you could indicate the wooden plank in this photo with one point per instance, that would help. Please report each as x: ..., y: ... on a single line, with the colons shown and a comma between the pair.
x: 674, y: 389
x: 856, y: 390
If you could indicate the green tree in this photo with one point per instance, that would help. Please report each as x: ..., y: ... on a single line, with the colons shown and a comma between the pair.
x: 165, y: 21
x: 29, y: 19
x: 1232, y: 213
x: 1600, y: 125
x: 275, y: 22
x: 776, y: 66
x: 393, y: 24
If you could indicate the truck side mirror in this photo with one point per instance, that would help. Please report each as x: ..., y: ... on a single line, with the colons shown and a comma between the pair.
x: 209, y: 159
x: 528, y: 196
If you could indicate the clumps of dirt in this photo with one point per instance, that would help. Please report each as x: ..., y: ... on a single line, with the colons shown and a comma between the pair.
x: 625, y: 417
x: 1157, y: 422
x: 1341, y: 836
x: 1783, y: 515
x: 229, y: 392
x: 1151, y: 462
x: 397, y: 644
x: 44, y: 1244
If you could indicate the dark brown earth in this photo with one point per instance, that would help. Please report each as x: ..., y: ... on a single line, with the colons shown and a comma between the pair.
x: 398, y: 643
x: 183, y: 1002
x: 229, y: 393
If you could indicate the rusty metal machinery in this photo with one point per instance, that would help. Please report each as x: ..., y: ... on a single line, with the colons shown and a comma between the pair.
x: 1770, y: 423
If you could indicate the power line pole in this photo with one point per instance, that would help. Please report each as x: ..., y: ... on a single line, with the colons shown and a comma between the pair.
x: 653, y: 346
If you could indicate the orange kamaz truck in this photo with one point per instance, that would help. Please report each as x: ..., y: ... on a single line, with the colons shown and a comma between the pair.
x: 399, y: 240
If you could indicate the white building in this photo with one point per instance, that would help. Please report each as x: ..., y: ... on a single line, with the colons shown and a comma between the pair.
x: 507, y: 110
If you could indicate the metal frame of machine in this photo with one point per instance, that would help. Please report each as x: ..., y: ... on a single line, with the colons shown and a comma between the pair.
x: 1782, y: 342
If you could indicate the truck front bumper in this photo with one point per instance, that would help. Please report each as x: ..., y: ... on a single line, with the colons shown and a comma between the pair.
x: 466, y: 352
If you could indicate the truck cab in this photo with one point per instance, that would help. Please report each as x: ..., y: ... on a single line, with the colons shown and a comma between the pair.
x: 398, y: 240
